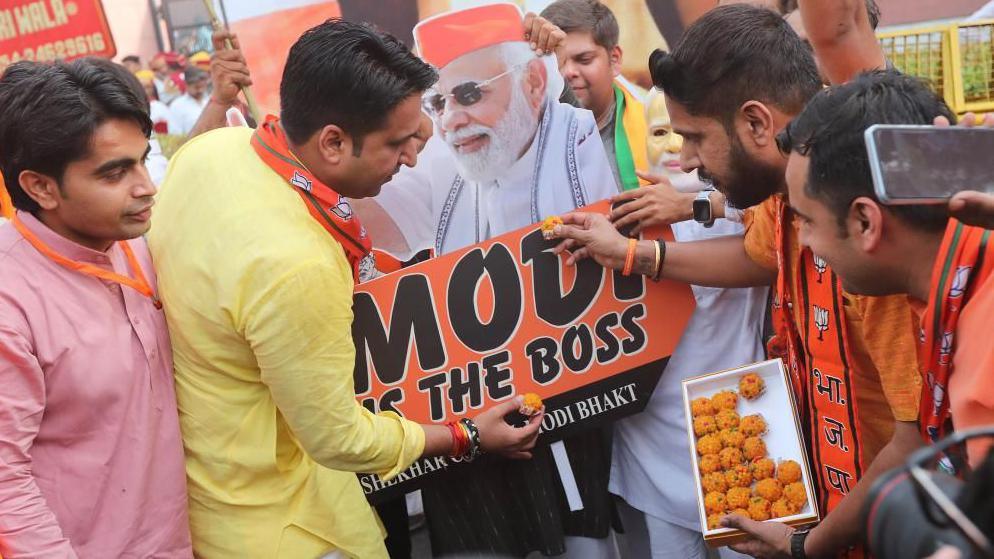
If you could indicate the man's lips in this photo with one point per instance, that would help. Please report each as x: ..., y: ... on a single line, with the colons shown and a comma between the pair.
x: 471, y: 144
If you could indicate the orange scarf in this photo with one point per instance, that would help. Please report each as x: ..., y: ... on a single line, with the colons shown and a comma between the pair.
x: 819, y: 362
x: 328, y: 207
x: 6, y: 205
x: 965, y: 260
x: 138, y: 282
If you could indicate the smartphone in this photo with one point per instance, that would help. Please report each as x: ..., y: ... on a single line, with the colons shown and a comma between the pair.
x: 928, y: 164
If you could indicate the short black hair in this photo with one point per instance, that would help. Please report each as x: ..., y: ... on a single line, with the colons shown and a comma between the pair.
x: 50, y: 112
x: 350, y: 75
x: 589, y: 16
x: 734, y: 54
x: 132, y: 58
x: 788, y: 6
x: 830, y: 132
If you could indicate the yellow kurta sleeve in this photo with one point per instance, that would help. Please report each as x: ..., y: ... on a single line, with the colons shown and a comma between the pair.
x: 299, y: 328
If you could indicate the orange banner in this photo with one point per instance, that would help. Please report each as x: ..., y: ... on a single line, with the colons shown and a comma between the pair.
x: 53, y: 29
x: 452, y: 336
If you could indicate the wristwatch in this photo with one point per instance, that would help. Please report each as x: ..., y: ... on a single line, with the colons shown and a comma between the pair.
x: 797, y: 544
x: 702, y: 208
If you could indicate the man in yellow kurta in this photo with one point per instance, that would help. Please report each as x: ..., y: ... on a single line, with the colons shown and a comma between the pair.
x: 257, y: 252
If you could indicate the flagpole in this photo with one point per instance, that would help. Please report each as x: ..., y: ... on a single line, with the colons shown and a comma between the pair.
x: 246, y: 90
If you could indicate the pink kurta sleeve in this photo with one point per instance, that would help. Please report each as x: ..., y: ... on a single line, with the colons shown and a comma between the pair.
x: 28, y: 528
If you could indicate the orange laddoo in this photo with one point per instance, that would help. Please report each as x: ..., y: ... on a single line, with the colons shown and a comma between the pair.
x: 740, y: 512
x: 710, y: 463
x: 708, y: 444
x: 753, y: 448
x: 714, y: 482
x: 753, y: 425
x: 714, y: 503
x: 531, y: 404
x: 737, y: 497
x: 727, y: 419
x: 725, y: 400
x: 795, y: 493
x: 759, y: 509
x: 701, y: 406
x: 751, y: 386
x: 784, y: 507
x: 704, y: 425
x: 549, y: 226
x: 730, y: 457
x: 732, y: 438
x: 789, y: 472
x: 763, y: 468
x: 739, y: 476
x: 714, y: 521
x: 769, y: 489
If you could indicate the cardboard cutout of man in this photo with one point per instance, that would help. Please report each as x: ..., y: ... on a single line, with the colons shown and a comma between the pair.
x: 505, y: 154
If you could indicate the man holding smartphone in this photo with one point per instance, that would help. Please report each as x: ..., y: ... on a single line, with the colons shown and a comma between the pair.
x: 945, y: 266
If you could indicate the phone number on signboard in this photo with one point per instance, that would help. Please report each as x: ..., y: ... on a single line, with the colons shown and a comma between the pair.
x: 72, y: 47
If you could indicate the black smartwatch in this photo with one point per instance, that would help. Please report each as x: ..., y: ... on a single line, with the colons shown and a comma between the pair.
x: 797, y: 544
x: 702, y: 208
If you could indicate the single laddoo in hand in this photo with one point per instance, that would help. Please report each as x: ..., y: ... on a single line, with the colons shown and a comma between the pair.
x: 530, y: 405
x: 549, y: 226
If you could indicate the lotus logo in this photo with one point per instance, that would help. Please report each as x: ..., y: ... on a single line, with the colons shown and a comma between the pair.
x: 343, y: 209
x: 820, y: 266
x: 367, y: 267
x: 960, y: 280
x: 821, y: 321
x: 300, y: 181
x: 946, y: 348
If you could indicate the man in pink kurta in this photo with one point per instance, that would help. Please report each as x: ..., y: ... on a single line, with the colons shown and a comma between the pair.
x: 91, y: 461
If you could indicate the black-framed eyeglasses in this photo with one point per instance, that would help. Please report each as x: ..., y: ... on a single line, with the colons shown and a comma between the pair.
x: 465, y: 94
x: 939, y: 508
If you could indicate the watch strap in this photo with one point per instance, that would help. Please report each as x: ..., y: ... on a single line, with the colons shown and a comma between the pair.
x: 797, y: 540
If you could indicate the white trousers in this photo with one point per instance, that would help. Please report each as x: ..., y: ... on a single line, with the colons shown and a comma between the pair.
x: 648, y: 536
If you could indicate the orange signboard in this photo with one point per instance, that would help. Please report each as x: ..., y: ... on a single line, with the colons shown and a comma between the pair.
x: 454, y: 335
x: 53, y: 29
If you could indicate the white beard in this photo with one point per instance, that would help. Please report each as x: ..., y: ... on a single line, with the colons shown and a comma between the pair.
x: 682, y: 182
x: 507, y: 140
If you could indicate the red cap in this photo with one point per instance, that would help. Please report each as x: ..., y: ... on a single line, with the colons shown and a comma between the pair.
x: 443, y: 38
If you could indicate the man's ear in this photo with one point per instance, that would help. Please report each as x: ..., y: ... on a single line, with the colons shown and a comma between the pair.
x: 43, y: 189
x: 535, y: 83
x: 758, y: 123
x: 865, y: 223
x: 615, y: 55
x: 334, y: 144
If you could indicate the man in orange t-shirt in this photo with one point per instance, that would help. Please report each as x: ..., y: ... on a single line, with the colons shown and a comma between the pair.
x: 945, y: 266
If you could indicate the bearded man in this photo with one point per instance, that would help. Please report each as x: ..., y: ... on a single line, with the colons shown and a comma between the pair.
x: 505, y: 154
